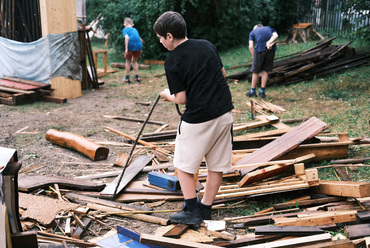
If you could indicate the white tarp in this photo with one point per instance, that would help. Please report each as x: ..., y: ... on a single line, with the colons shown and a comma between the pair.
x: 51, y: 56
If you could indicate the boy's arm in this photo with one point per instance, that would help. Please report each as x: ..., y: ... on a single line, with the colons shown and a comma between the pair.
x: 126, y: 43
x: 272, y: 40
x: 178, y: 98
x: 251, y: 47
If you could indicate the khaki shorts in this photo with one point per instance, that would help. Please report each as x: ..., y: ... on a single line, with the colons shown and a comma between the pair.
x: 211, y: 140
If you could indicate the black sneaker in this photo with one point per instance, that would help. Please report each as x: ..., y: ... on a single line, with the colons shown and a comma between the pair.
x: 251, y: 94
x: 186, y: 217
x: 262, y: 94
x: 205, y: 213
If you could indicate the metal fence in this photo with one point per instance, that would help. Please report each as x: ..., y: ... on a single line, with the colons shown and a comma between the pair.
x: 331, y: 17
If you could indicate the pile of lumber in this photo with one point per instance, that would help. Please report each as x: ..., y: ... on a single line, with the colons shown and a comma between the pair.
x: 15, y: 91
x: 277, y: 161
x: 318, y: 61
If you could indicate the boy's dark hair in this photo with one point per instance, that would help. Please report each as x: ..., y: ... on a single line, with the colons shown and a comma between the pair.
x: 170, y: 22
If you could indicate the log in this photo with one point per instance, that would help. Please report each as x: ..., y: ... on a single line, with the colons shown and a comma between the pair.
x: 79, y: 143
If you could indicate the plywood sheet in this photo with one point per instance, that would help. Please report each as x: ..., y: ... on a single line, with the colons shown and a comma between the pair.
x: 43, y: 209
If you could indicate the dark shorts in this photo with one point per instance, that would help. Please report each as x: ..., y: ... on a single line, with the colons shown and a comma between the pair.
x: 263, y: 61
x: 132, y: 54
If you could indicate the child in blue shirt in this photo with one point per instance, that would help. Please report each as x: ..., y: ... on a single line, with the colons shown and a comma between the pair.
x: 133, y: 47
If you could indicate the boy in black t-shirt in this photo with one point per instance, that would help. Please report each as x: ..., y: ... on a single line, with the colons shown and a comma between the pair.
x: 196, y: 78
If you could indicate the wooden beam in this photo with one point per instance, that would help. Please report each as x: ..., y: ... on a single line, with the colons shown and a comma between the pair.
x: 288, y: 230
x: 170, y: 242
x: 347, y: 189
x: 318, y: 219
x: 295, y: 242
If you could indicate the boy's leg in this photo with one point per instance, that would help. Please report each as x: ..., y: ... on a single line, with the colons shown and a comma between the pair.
x: 252, y: 92
x: 190, y: 214
x: 264, y: 78
x: 187, y: 183
x: 213, y: 183
x: 127, y: 68
x: 135, y: 65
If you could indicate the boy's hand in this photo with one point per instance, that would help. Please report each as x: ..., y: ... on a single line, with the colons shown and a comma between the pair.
x: 165, y: 94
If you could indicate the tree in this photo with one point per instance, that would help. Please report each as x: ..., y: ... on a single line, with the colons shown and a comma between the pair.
x: 226, y: 23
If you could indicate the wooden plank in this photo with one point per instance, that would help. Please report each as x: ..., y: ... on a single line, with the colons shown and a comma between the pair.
x: 305, y: 203
x: 275, y: 132
x: 251, y: 125
x: 123, y: 65
x: 332, y: 244
x: 261, y: 174
x: 54, y: 99
x: 271, y: 171
x: 176, y: 231
x: 134, y: 119
x: 347, y: 189
x: 364, y: 215
x: 29, y: 82
x: 343, y: 174
x: 82, y: 229
x: 142, y: 217
x: 8, y: 89
x: 170, y: 242
x: 357, y: 231
x: 295, y: 242
x: 259, y: 239
x: 87, y: 199
x: 318, y: 219
x: 285, y: 143
x: 30, y: 182
x: 288, y: 230
x: 130, y: 172
x: 16, y: 85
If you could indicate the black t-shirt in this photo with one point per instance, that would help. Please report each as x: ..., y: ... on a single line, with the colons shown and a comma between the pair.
x: 195, y: 66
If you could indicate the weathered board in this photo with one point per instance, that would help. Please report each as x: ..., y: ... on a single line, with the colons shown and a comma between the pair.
x: 131, y: 171
x: 30, y: 182
x: 285, y: 143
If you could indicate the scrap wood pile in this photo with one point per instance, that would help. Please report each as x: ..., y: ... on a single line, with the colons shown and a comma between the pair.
x: 264, y: 163
x: 318, y: 61
x: 16, y: 91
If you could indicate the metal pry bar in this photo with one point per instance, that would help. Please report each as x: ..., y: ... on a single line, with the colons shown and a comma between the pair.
x: 133, y: 147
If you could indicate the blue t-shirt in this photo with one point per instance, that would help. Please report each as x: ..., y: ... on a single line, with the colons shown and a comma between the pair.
x: 134, y: 42
x: 260, y: 36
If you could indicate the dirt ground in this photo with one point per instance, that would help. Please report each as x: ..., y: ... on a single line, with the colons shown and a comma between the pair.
x: 24, y: 127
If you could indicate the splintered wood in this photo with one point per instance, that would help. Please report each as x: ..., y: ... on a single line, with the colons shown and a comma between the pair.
x: 262, y: 105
